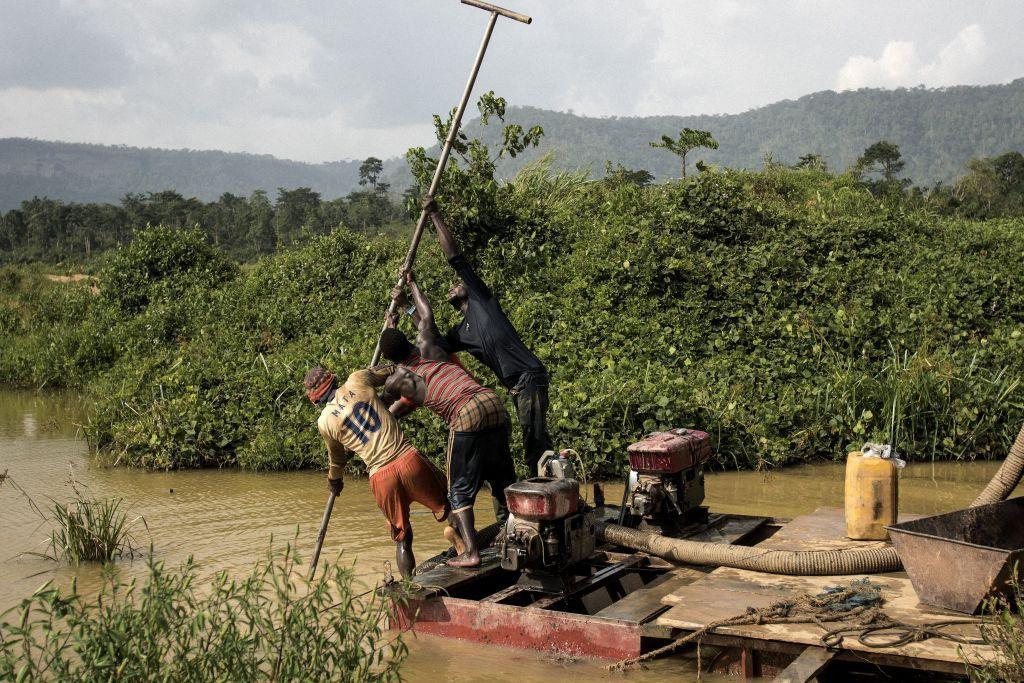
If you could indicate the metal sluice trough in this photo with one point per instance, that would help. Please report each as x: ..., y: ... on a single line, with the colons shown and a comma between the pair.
x: 959, y: 559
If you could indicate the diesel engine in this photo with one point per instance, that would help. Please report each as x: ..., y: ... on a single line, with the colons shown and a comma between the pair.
x: 666, y: 483
x: 549, y: 527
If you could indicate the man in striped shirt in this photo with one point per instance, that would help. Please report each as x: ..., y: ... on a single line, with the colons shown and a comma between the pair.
x: 478, y: 439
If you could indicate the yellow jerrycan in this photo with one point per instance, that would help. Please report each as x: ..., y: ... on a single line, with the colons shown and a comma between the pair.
x: 872, y: 493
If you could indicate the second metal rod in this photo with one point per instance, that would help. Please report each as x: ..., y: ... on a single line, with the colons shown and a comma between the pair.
x: 441, y: 163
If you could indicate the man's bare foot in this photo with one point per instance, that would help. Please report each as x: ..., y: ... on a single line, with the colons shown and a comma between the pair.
x: 453, y: 537
x: 465, y: 560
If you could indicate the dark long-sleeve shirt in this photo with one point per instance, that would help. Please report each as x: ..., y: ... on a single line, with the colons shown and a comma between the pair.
x: 487, y: 333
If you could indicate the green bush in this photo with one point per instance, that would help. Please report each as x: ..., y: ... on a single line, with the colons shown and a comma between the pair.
x: 160, y: 264
x: 788, y: 312
x: 270, y: 625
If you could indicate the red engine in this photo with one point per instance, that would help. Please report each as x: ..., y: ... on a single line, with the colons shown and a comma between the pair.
x: 666, y: 484
x: 549, y: 529
x: 543, y: 498
x: 670, y: 452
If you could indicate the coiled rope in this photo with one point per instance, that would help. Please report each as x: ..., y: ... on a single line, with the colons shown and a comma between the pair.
x: 858, y: 607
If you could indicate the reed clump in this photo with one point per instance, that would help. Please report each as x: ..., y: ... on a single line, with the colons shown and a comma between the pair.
x: 91, y: 530
x: 271, y: 624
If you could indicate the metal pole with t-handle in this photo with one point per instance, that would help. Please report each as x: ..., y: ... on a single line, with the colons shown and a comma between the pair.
x: 418, y: 232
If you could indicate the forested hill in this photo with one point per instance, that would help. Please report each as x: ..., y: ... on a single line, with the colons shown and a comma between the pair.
x: 938, y: 131
x: 102, y: 173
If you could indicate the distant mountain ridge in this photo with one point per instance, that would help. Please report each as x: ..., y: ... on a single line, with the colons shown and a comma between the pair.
x: 938, y: 131
x: 78, y: 172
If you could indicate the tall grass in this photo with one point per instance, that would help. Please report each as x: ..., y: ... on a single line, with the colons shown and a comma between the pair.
x: 272, y: 624
x: 86, y: 529
x: 91, y: 530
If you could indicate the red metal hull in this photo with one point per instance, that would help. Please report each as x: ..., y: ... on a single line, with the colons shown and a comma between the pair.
x: 521, y: 627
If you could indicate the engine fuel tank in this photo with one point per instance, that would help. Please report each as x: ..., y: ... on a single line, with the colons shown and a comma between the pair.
x: 543, y: 498
x: 670, y: 452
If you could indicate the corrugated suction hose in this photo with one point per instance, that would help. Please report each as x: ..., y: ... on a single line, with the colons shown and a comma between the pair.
x: 1006, y: 479
x: 789, y: 562
x: 800, y: 562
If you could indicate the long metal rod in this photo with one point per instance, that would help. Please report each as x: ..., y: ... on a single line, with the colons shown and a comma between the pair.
x: 442, y: 161
x: 418, y: 232
x: 322, y: 535
x: 500, y: 10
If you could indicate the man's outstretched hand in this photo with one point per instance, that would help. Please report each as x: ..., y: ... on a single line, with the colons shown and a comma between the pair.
x: 399, y: 294
x: 335, y: 486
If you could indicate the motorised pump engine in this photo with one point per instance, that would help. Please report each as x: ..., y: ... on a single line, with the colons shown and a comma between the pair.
x: 666, y: 481
x: 549, y: 527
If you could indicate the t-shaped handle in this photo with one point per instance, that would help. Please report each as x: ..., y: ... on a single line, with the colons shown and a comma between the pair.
x: 499, y: 10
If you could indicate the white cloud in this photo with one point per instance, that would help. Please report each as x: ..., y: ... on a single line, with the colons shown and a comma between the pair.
x: 901, y: 65
x: 326, y: 79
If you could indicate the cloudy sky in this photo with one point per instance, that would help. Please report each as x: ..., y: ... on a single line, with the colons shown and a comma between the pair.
x: 320, y: 80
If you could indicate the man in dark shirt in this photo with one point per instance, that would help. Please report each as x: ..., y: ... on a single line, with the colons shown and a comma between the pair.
x: 486, y: 332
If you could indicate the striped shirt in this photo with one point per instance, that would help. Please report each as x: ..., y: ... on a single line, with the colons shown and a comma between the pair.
x: 449, y: 385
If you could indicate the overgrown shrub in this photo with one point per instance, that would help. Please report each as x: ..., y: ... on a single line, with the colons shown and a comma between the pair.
x: 789, y: 312
x: 161, y: 264
x: 269, y: 625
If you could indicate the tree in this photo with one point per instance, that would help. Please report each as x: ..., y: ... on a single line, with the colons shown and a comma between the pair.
x: 295, y: 210
x: 260, y: 219
x: 814, y: 162
x: 882, y: 157
x: 469, y: 190
x: 369, y: 173
x: 992, y: 187
x: 689, y: 139
x: 618, y: 175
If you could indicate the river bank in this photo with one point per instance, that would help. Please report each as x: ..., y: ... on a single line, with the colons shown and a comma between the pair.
x: 790, y: 313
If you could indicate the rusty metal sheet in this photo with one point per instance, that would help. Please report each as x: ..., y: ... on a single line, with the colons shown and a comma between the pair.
x: 522, y: 627
x: 959, y: 559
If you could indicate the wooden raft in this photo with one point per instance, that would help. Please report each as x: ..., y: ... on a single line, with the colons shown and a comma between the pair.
x: 726, y: 592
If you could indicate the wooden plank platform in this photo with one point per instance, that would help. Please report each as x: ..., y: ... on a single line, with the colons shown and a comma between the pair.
x: 440, y: 579
x: 645, y: 604
x: 726, y: 592
x: 806, y: 666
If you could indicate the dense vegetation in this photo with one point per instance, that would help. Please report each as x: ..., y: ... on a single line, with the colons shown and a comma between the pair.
x: 789, y: 311
x: 244, y: 227
x: 939, y: 130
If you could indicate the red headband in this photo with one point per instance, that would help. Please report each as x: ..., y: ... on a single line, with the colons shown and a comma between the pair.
x: 318, y: 383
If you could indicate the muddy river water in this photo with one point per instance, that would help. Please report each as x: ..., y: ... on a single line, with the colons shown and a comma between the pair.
x: 225, y: 519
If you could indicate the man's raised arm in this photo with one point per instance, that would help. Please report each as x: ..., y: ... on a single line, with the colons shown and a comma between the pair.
x: 444, y: 235
x: 451, y: 250
x: 428, y: 337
